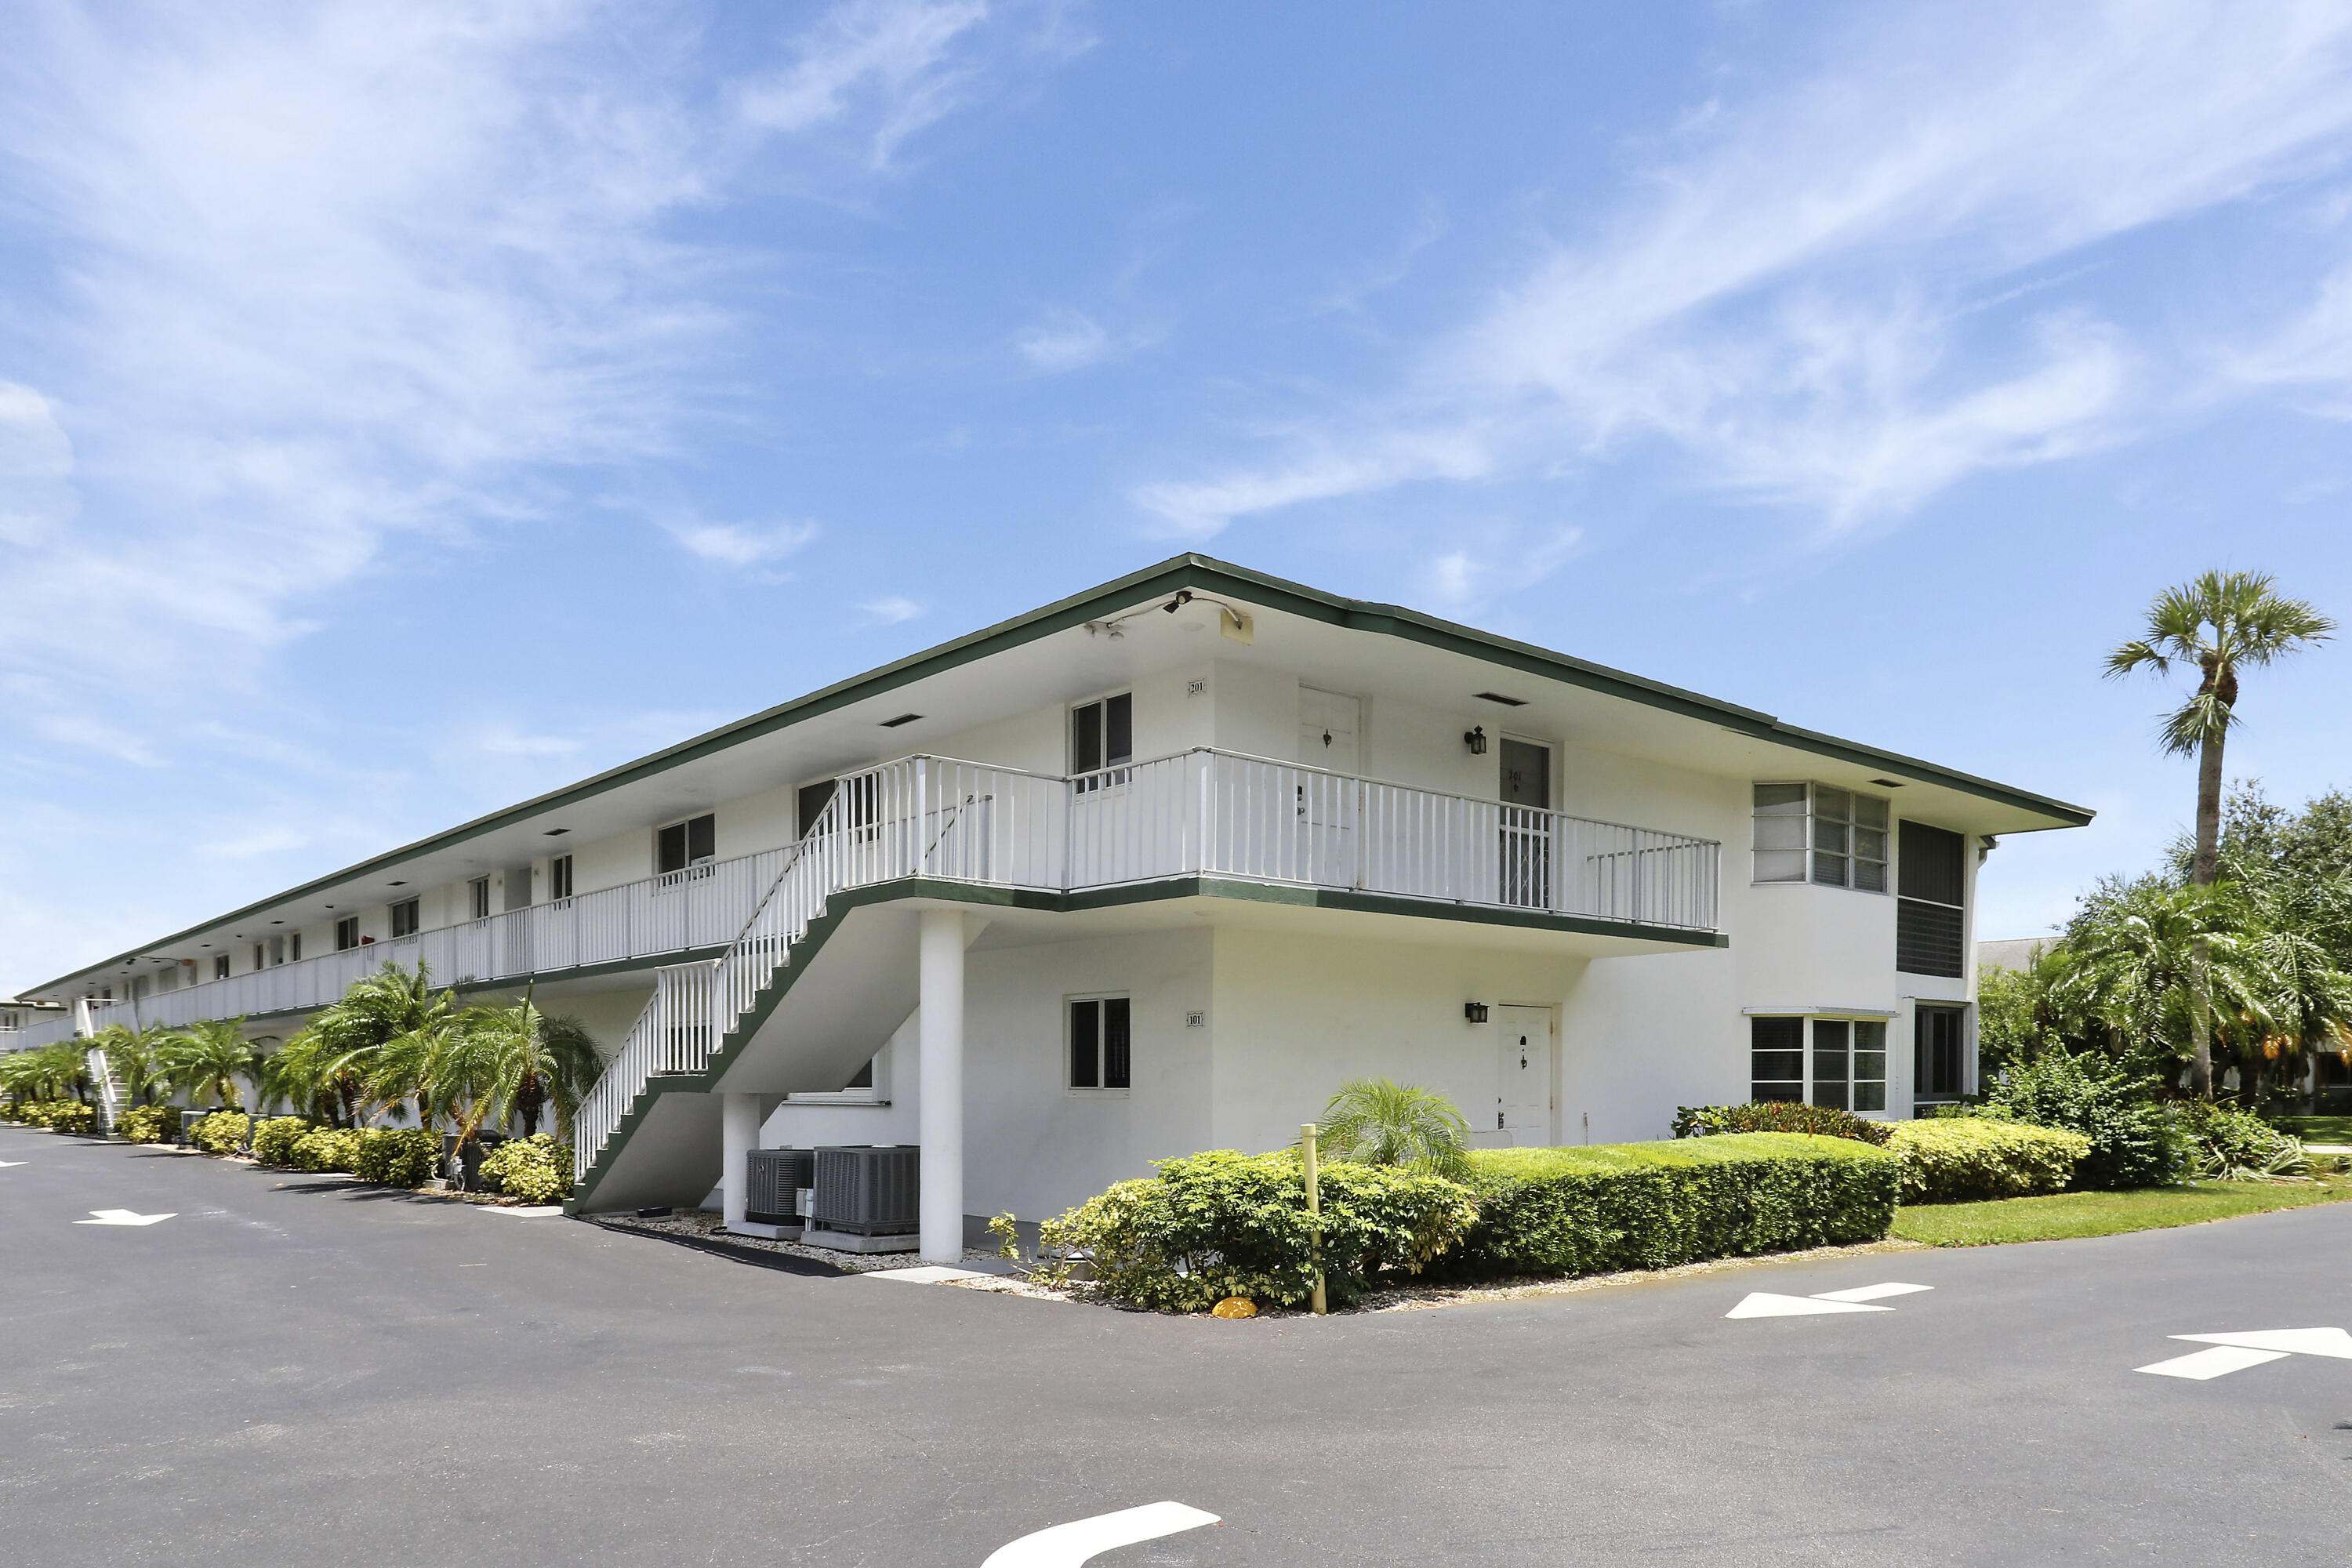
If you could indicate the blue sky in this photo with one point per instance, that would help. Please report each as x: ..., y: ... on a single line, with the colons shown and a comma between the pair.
x: 407, y: 408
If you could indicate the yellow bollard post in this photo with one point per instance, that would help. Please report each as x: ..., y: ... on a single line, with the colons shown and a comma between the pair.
x: 1314, y: 1208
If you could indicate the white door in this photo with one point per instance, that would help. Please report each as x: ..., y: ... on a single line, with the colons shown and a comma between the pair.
x: 1326, y: 800
x: 1523, y: 1077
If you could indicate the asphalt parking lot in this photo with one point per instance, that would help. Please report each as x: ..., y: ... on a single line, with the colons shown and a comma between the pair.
x: 299, y: 1371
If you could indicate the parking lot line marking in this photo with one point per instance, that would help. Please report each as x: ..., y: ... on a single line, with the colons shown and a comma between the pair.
x: 1068, y: 1545
x: 2204, y: 1365
x: 6, y: 1165
x: 1765, y: 1304
x: 1869, y: 1292
x: 2294, y: 1341
x: 123, y: 1216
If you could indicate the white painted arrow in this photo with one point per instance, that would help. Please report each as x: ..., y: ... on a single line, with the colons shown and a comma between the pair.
x: 6, y: 1163
x: 123, y: 1216
x: 1068, y: 1545
x: 2235, y: 1352
x: 1765, y: 1304
x: 2292, y: 1342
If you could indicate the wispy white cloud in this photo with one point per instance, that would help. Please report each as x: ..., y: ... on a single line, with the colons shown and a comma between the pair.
x: 1788, y: 297
x: 1072, y: 339
x: 2310, y: 356
x: 323, y: 276
x: 740, y: 544
x: 891, y: 610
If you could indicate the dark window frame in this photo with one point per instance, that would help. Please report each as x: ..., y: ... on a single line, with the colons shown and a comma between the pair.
x: 558, y: 877
x: 347, y: 933
x: 687, y: 845
x: 1102, y: 740
x: 1099, y: 1054
x: 403, y: 918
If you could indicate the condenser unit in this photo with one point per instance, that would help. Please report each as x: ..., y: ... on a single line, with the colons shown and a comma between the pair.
x: 868, y: 1190
x: 774, y: 1177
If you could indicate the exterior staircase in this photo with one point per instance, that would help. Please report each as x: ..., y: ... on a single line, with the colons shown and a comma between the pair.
x: 893, y: 822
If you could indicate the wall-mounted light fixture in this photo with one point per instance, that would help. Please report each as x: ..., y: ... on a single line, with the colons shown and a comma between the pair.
x: 1476, y: 740
x: 1476, y: 1012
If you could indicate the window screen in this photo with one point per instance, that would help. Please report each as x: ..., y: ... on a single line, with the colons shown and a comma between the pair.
x: 559, y: 877
x: 1929, y: 921
x: 1937, y: 1042
x: 347, y: 933
x: 1777, y: 1054
x: 403, y: 918
x: 1832, y: 1044
x: 479, y: 890
x: 1101, y: 1053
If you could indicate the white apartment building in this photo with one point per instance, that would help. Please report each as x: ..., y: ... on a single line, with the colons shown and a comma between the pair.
x: 1154, y: 869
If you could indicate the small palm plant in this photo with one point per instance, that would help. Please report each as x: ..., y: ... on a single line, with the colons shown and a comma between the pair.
x: 1378, y: 1122
x: 514, y: 1064
x: 210, y: 1059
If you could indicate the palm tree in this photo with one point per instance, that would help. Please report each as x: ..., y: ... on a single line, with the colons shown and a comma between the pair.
x: 515, y: 1063
x: 2220, y: 622
x: 2157, y: 965
x: 330, y: 1067
x: 137, y: 1056
x: 210, y: 1058
x: 1378, y: 1122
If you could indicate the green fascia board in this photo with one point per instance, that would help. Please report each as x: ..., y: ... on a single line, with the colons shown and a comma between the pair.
x: 837, y: 908
x: 1203, y: 575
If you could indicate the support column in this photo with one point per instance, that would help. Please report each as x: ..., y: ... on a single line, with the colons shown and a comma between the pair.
x: 940, y: 1033
x: 738, y: 1134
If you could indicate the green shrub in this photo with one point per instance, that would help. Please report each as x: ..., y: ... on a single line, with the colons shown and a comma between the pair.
x: 1227, y: 1224
x: 59, y: 1115
x: 274, y: 1139
x: 149, y: 1123
x: 1948, y: 1159
x: 323, y: 1149
x: 397, y: 1157
x: 1653, y: 1205
x: 536, y: 1169
x: 2133, y: 1141
x: 1777, y: 1116
x: 222, y: 1132
x: 2229, y: 1144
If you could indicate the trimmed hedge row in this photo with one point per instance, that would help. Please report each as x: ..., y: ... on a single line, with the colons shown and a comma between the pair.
x: 1655, y: 1205
x: 58, y: 1115
x: 1954, y: 1159
x: 1777, y: 1116
x: 1226, y: 1223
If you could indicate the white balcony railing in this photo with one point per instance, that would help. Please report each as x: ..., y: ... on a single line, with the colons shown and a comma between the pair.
x: 1197, y: 812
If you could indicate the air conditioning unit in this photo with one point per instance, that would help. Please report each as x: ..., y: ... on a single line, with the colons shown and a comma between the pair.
x: 868, y: 1190
x: 771, y: 1192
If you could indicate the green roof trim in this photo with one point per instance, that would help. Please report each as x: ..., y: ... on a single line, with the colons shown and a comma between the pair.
x: 1203, y: 575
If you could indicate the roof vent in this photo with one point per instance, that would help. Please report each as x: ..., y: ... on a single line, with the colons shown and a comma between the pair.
x: 901, y: 719
x: 1889, y: 783
x: 1505, y: 701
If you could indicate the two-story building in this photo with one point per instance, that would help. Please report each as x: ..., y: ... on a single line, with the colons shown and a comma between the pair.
x: 1154, y: 869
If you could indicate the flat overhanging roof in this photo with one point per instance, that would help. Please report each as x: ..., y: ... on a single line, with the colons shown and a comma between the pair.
x: 1436, y: 661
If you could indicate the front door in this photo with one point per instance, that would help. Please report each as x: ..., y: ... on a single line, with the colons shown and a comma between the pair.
x: 1527, y: 825
x: 1326, y: 800
x: 1523, y: 1077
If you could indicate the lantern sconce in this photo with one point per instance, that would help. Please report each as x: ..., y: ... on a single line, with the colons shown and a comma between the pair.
x: 1475, y: 739
x: 1476, y: 1012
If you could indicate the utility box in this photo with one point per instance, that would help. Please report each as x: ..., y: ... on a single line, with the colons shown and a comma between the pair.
x: 868, y: 1190
x: 774, y: 1179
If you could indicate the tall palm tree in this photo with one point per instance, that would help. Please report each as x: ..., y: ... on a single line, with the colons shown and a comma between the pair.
x: 210, y: 1058
x: 138, y: 1057
x: 2220, y: 622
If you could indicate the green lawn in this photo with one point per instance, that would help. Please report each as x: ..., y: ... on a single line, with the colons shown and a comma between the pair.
x: 2066, y: 1214
x: 2317, y: 1128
